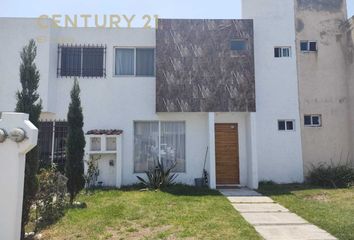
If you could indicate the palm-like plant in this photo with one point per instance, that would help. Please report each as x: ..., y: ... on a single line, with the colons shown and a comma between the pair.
x: 159, y: 176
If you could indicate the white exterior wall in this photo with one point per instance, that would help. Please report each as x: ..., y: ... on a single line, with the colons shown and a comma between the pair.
x: 14, y: 35
x: 279, y: 153
x: 108, y: 103
x: 116, y: 102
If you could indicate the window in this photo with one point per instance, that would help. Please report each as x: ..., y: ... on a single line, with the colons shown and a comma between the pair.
x: 308, y: 46
x: 124, y: 61
x: 111, y: 144
x: 239, y: 45
x: 95, y: 144
x: 286, y: 125
x: 280, y: 52
x: 81, y: 61
x: 135, y: 62
x: 313, y: 120
x: 159, y: 141
x: 145, y: 62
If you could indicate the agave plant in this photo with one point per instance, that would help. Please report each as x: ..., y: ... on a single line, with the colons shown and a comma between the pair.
x: 159, y: 176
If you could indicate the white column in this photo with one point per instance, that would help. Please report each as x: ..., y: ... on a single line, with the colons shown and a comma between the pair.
x: 212, y: 171
x: 119, y: 162
x: 253, y: 156
x: 12, y: 170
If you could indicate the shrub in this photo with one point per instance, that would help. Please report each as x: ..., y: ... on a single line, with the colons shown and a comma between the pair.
x: 332, y: 175
x: 92, y: 173
x: 75, y: 144
x: 51, y: 199
x: 159, y: 176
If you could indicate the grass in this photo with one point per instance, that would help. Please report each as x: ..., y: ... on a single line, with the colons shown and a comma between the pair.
x: 330, y: 209
x: 180, y: 213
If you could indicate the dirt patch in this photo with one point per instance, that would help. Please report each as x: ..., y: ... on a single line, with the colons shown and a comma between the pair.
x: 321, y: 197
x: 135, y: 231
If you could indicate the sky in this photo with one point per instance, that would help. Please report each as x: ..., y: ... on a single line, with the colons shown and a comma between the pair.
x: 139, y: 8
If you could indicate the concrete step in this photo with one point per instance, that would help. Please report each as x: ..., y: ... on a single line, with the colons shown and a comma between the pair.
x: 250, y: 199
x: 239, y: 192
x: 259, y: 207
x: 293, y: 232
x: 271, y: 218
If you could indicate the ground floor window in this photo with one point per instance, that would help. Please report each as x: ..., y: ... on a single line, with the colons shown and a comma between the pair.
x: 159, y: 141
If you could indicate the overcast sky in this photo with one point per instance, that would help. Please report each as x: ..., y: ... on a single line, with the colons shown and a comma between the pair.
x: 163, y: 8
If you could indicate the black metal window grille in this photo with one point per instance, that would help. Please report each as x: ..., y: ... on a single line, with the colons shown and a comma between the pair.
x: 52, y: 142
x: 81, y: 61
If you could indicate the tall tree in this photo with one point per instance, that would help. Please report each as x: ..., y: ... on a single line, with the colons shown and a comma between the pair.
x: 74, y: 167
x: 28, y: 101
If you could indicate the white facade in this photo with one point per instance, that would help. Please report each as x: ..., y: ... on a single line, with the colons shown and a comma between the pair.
x: 117, y: 102
x: 279, y: 153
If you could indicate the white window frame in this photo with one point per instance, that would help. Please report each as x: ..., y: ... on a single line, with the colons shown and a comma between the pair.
x: 282, y: 48
x: 312, y: 125
x: 308, y: 46
x: 159, y: 142
x: 133, y: 48
x: 286, y: 127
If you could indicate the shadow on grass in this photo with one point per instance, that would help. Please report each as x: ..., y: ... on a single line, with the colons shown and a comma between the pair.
x: 177, y: 190
x: 270, y: 188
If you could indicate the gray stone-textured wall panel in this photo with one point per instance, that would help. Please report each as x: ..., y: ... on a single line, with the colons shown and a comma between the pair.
x: 320, y: 5
x: 198, y: 72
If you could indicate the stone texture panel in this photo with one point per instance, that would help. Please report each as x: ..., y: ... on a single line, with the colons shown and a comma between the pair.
x: 198, y: 72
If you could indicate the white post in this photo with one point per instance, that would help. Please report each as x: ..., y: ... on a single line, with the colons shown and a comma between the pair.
x: 119, y: 162
x: 18, y: 136
x: 253, y: 164
x: 212, y: 171
x: 53, y: 143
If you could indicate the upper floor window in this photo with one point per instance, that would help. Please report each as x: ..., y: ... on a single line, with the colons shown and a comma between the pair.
x: 239, y: 45
x: 134, y: 62
x: 286, y: 125
x: 280, y: 52
x: 312, y: 120
x: 308, y: 46
x: 81, y: 61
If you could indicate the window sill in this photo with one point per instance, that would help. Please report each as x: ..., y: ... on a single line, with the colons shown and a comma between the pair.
x: 80, y: 77
x: 132, y: 76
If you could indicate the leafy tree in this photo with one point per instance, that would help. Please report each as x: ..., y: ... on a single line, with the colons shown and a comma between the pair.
x: 28, y: 101
x: 74, y: 167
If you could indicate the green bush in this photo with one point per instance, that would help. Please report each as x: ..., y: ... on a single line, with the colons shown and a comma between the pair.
x: 332, y: 175
x: 159, y: 176
x: 51, y: 199
x: 92, y: 173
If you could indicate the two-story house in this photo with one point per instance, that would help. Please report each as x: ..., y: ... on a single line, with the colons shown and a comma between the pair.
x: 231, y: 96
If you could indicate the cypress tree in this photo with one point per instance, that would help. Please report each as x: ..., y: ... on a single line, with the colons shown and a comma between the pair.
x: 74, y: 166
x: 28, y: 101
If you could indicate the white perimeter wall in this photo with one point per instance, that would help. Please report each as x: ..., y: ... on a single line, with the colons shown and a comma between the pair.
x: 279, y: 153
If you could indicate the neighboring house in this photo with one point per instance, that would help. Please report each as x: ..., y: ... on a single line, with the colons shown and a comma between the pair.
x: 267, y: 95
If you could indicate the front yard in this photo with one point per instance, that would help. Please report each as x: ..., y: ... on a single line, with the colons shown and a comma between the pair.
x: 181, y: 213
x: 330, y: 209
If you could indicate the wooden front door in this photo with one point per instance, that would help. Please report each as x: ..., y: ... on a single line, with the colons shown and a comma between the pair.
x: 227, y: 154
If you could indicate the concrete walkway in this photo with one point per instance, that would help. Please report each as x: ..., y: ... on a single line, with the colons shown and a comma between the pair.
x: 271, y: 220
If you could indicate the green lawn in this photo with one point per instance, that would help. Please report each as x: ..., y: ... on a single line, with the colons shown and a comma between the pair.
x: 181, y: 213
x: 330, y: 209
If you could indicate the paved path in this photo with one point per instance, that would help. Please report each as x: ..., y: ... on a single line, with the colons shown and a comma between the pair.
x: 271, y: 220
